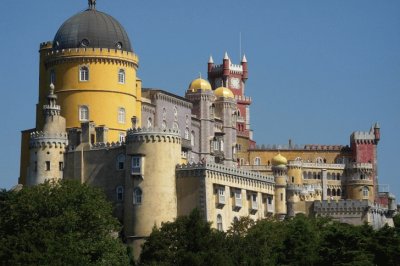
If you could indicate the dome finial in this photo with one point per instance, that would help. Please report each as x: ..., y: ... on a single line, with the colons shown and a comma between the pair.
x: 92, y: 4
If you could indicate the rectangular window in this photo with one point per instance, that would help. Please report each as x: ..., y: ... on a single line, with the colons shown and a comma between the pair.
x: 61, y: 166
x: 121, y: 137
x: 281, y: 196
x: 137, y: 163
x: 238, y: 198
x: 47, y: 165
x: 35, y: 166
x: 221, y: 195
x: 269, y: 200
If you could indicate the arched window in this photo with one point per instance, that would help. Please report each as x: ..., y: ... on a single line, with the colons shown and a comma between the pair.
x: 329, y: 192
x: 121, y: 136
x: 120, y: 193
x: 304, y: 175
x: 83, y: 73
x: 319, y: 160
x: 292, y: 179
x: 257, y: 161
x: 121, y: 76
x: 186, y: 133
x: 83, y: 113
x: 121, y: 115
x: 338, y: 193
x: 365, y: 192
x: 149, y: 122
x: 175, y: 126
x: 329, y: 176
x: 164, y: 124
x: 164, y: 113
x: 175, y: 113
x: 137, y: 196
x: 219, y: 222
x: 192, y: 138
x: 333, y: 192
x: 338, y: 176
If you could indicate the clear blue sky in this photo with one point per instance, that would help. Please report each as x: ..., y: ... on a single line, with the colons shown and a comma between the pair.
x: 318, y: 70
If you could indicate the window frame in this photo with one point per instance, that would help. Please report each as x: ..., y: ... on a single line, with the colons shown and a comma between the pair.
x: 137, y: 197
x: 83, y: 112
x: 121, y: 76
x: 120, y: 193
x: 84, y: 73
x: 121, y: 115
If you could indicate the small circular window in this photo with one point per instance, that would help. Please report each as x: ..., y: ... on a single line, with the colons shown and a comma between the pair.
x: 85, y: 43
x: 118, y: 45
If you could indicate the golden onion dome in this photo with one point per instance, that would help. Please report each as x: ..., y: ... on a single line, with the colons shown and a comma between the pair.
x: 199, y: 84
x: 279, y: 160
x: 224, y: 92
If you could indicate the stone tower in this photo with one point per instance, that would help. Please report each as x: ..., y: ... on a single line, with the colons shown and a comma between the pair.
x: 233, y: 77
x: 362, y: 182
x: 150, y: 196
x: 47, y: 146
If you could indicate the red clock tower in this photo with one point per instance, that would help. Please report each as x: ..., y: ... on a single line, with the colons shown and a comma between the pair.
x: 233, y: 77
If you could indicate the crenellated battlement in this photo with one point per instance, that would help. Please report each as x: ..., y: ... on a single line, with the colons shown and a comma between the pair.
x: 44, y: 139
x: 95, y: 54
x: 153, y: 135
x: 363, y: 136
x: 107, y: 145
x: 227, y: 170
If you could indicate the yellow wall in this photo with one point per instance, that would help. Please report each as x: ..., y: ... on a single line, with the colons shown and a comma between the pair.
x: 102, y: 93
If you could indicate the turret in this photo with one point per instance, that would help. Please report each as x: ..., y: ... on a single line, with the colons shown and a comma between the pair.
x: 226, y: 63
x: 47, y: 146
x: 244, y: 66
x: 377, y: 132
x: 210, y: 64
x: 279, y: 168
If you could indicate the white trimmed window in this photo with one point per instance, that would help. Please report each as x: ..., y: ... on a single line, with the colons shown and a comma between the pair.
x: 257, y: 161
x: 192, y: 142
x: 121, y: 136
x: 149, y: 122
x: 120, y: 193
x: 83, y: 113
x: 121, y: 115
x: 219, y: 222
x: 121, y: 76
x: 186, y: 133
x: 84, y: 73
x: 137, y: 196
x: 365, y: 192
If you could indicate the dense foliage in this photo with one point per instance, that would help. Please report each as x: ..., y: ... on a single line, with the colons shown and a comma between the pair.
x: 298, y: 241
x: 59, y: 224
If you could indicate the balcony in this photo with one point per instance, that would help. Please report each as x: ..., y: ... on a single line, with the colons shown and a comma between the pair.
x: 186, y: 144
x: 136, y: 171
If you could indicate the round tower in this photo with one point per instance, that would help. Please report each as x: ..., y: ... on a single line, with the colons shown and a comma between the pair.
x: 279, y: 168
x: 151, y: 185
x: 92, y: 64
x: 294, y: 187
x: 47, y: 147
x: 225, y: 107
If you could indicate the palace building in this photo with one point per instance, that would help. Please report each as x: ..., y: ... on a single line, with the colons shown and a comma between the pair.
x: 158, y: 155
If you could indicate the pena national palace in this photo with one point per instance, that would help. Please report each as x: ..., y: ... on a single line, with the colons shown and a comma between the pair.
x: 158, y: 155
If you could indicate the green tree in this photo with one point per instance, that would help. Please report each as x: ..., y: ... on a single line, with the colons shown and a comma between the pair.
x: 189, y: 240
x: 64, y: 223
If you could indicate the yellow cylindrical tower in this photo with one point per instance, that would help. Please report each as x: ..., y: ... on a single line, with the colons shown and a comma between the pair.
x: 280, y: 173
x: 151, y: 185
x: 93, y: 67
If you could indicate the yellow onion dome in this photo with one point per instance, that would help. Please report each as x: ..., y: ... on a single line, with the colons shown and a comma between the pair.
x: 224, y: 92
x: 199, y: 84
x: 279, y: 160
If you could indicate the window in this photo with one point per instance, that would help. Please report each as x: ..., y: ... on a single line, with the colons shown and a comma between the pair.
x: 61, y: 166
x: 47, y: 165
x: 292, y: 179
x: 365, y: 192
x: 175, y: 113
x: 175, y: 126
x: 186, y: 133
x: 121, y: 137
x: 221, y: 195
x: 192, y: 138
x: 281, y: 196
x: 136, y: 165
x: 83, y: 113
x: 35, y: 166
x: 219, y: 222
x: 238, y: 198
x: 84, y: 73
x: 149, y: 122
x: 269, y: 200
x: 164, y: 124
x: 137, y: 196
x: 120, y: 193
x: 121, y: 115
x: 121, y: 162
x: 121, y: 76
x: 257, y: 161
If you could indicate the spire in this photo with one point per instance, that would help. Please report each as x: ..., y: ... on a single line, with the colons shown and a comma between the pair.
x: 92, y: 4
x: 51, y: 109
x: 226, y: 56
x: 244, y: 59
x: 211, y: 60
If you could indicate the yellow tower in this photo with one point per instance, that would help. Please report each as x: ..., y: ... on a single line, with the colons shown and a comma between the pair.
x: 279, y: 169
x: 93, y: 67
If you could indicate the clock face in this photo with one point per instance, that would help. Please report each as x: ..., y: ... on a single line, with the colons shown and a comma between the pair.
x: 235, y: 83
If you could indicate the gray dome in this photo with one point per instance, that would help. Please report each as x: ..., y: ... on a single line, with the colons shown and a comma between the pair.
x: 92, y: 28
